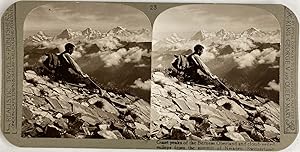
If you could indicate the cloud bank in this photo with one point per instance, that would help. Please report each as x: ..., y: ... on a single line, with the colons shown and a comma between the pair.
x: 267, y: 56
x: 132, y: 55
x: 139, y: 83
x: 272, y: 85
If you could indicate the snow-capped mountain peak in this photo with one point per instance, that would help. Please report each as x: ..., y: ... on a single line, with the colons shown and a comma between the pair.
x: 174, y: 38
x: 200, y: 35
x: 252, y: 29
x: 41, y: 33
x: 253, y: 32
x: 68, y: 34
x: 120, y: 31
x: 225, y: 35
x: 90, y: 33
x: 87, y: 31
x: 116, y: 30
x: 221, y: 32
x: 38, y: 37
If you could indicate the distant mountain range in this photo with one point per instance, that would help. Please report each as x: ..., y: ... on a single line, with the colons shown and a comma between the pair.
x: 175, y: 42
x: 222, y: 34
x: 219, y: 41
x: 38, y: 37
x: 91, y: 34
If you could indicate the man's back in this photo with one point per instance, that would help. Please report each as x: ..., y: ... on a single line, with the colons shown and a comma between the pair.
x: 64, y: 63
x: 192, y: 62
x: 196, y: 63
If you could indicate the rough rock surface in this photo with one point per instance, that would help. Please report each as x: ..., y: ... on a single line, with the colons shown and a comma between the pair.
x: 52, y: 109
x: 181, y: 111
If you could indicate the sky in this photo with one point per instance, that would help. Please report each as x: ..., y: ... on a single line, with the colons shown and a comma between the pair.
x: 53, y: 18
x: 188, y: 19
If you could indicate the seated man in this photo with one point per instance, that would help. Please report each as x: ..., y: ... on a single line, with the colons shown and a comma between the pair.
x: 64, y: 68
x: 192, y: 64
x: 67, y: 67
x: 195, y: 62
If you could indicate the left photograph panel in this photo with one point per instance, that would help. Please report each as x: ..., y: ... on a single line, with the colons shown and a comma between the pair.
x: 87, y: 72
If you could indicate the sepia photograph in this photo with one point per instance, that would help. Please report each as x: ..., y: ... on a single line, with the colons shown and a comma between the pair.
x: 215, y: 74
x: 87, y: 72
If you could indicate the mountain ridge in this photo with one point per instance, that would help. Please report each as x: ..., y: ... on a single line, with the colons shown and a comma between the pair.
x: 64, y: 110
x: 182, y: 111
x: 91, y: 34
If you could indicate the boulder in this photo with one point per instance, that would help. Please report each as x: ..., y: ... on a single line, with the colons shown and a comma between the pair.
x: 79, y: 108
x: 30, y: 75
x: 38, y: 101
x: 250, y: 103
x: 118, y: 102
x: 260, y: 99
x: 189, y: 125
x: 128, y: 118
x: 165, y: 131
x: 193, y: 137
x: 203, y: 126
x: 131, y: 125
x: 178, y: 133
x: 58, y: 115
x: 90, y: 119
x: 164, y: 102
x: 86, y: 130
x: 26, y: 113
x: 169, y: 122
x: 118, y: 134
x: 141, y: 109
x: 209, y: 111
x: 141, y: 130
x: 259, y: 127
x: 232, y: 106
x: 62, y: 123
x: 106, y: 106
x: 63, y: 101
x: 43, y: 114
x: 270, y: 131
x: 181, y: 104
x: 197, y: 117
x: 246, y: 136
x: 84, y: 104
x: 54, y: 103
x: 130, y: 97
x: 251, y: 112
x: 104, y: 126
x: 231, y: 128
x: 219, y: 121
x: 271, y: 111
x: 43, y: 121
x: 52, y: 131
x: 117, y: 125
x: 128, y: 134
x: 234, y: 136
x: 247, y: 127
x: 186, y: 117
x: 258, y: 120
x: 232, y: 118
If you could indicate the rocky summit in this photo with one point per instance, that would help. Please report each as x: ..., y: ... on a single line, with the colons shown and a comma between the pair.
x: 184, y: 111
x: 62, y: 110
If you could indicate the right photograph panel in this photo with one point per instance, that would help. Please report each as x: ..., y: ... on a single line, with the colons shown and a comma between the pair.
x: 215, y: 74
